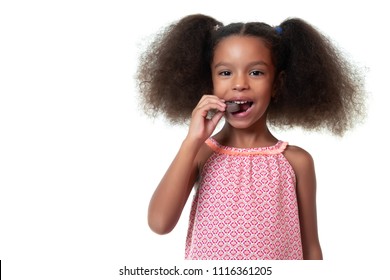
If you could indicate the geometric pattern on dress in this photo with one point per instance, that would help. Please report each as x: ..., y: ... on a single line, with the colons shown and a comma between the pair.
x: 245, y: 206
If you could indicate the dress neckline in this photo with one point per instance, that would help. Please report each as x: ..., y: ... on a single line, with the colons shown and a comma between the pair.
x: 277, y: 148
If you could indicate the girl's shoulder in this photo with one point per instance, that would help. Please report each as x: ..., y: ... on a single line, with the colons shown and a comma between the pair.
x: 300, y: 159
x: 204, y: 153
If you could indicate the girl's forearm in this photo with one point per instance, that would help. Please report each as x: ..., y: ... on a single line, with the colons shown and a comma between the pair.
x: 172, y: 192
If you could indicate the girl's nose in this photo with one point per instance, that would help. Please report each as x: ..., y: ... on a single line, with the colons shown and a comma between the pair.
x: 240, y: 83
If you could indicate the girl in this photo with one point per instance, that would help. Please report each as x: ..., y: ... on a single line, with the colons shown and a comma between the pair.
x: 255, y: 195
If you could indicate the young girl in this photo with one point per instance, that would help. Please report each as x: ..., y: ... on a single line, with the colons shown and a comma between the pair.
x: 255, y: 195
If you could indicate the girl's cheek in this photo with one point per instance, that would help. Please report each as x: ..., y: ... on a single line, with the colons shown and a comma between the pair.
x: 218, y: 94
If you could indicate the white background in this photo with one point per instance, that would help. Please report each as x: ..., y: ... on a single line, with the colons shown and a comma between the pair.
x: 79, y: 160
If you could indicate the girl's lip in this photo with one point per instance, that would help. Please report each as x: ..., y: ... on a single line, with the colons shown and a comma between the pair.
x: 242, y: 114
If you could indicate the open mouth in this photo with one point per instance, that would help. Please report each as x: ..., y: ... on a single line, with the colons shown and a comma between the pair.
x: 238, y: 106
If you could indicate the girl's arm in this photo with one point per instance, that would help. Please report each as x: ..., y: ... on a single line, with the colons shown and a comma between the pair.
x: 171, y: 194
x: 303, y: 165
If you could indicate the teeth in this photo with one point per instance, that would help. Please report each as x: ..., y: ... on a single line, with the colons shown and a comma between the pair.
x: 239, y: 102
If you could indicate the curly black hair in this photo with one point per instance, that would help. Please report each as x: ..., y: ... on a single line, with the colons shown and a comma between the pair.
x: 316, y: 86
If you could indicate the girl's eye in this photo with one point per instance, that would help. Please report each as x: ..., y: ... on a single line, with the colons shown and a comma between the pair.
x: 224, y: 73
x: 256, y: 73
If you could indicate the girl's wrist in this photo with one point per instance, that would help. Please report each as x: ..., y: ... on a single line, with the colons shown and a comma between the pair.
x: 191, y: 144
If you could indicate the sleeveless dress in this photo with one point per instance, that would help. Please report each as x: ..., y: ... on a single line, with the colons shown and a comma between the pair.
x: 245, y: 206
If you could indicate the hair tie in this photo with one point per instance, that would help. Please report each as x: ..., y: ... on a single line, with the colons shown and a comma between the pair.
x: 216, y: 27
x: 278, y: 30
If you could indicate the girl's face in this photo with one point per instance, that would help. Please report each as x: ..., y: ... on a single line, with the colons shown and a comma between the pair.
x: 243, y: 72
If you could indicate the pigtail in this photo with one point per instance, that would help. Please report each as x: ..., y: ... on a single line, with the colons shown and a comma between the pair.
x: 316, y: 86
x: 174, y: 72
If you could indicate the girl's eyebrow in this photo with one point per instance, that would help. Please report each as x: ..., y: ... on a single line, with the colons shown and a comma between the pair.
x: 255, y: 63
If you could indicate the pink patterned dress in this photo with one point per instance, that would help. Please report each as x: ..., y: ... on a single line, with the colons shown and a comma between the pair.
x: 245, y: 206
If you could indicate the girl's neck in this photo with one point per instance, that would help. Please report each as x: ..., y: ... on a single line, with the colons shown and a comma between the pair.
x: 245, y: 138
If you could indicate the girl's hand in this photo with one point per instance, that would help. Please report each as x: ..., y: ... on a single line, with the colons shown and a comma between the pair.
x: 201, y: 127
